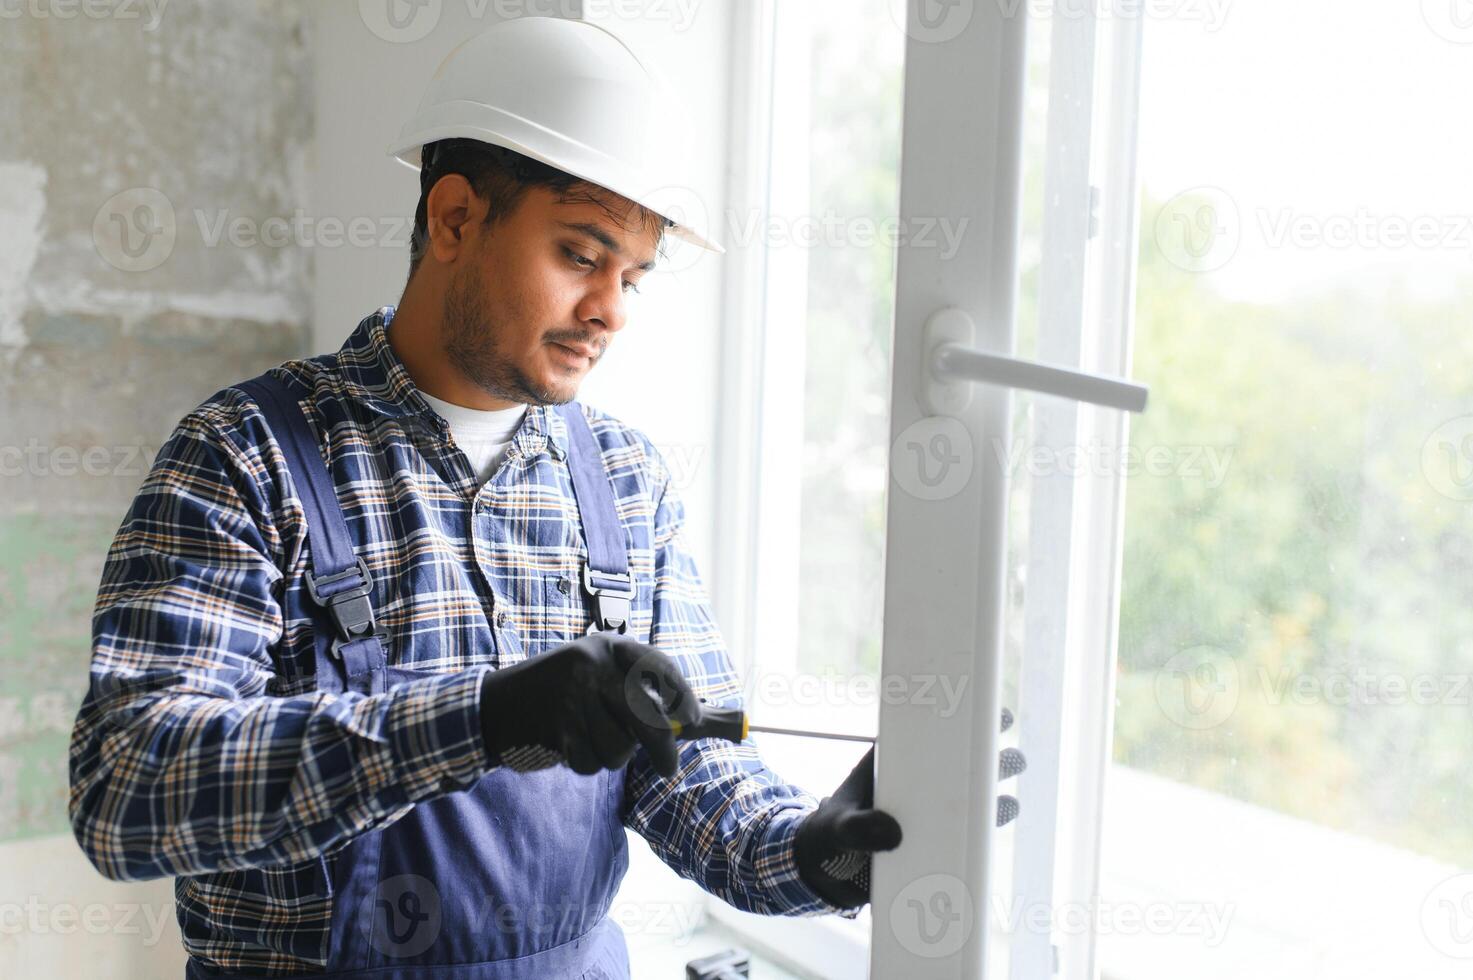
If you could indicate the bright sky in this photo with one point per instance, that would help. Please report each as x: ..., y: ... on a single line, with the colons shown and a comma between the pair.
x: 1332, y: 117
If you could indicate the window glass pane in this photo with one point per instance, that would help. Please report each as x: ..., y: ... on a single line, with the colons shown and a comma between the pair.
x: 844, y: 169
x: 1292, y: 743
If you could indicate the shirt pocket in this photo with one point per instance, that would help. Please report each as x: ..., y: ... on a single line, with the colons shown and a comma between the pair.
x: 564, y: 615
x: 567, y: 611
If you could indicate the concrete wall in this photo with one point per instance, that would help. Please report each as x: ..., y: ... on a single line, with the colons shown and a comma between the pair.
x: 128, y: 133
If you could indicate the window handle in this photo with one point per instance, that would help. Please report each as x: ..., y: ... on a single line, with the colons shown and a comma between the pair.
x: 952, y: 364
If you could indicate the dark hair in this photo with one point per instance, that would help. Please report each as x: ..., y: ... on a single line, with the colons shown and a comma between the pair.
x: 502, y: 177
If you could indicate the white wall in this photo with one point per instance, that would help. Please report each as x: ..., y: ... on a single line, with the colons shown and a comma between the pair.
x: 65, y: 920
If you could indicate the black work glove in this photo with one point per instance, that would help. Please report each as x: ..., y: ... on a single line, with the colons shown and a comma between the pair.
x: 835, y: 843
x: 586, y: 704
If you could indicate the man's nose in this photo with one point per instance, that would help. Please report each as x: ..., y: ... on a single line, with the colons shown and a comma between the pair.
x: 605, y: 308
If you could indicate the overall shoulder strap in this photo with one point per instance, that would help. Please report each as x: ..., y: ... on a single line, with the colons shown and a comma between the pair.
x: 606, y: 576
x: 338, y: 582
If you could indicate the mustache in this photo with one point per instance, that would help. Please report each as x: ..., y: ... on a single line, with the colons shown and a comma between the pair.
x: 598, y: 343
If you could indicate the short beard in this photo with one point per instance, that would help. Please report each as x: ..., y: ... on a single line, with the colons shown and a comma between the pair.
x: 470, y: 340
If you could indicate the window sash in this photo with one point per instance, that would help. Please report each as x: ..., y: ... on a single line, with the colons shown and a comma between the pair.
x: 977, y: 76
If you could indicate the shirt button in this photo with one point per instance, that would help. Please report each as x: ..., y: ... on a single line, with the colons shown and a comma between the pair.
x: 564, y: 585
x: 501, y: 617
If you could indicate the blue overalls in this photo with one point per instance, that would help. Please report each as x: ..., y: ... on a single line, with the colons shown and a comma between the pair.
x: 512, y: 878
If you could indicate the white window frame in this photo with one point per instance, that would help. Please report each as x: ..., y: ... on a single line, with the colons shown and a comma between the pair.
x: 1064, y: 728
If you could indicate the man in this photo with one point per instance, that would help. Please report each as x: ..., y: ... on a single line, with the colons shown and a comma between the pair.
x: 466, y: 817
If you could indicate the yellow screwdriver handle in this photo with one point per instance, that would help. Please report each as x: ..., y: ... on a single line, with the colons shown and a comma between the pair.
x: 727, y: 723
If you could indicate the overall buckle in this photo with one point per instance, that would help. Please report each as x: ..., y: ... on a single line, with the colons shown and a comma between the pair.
x: 610, y: 603
x: 351, y: 608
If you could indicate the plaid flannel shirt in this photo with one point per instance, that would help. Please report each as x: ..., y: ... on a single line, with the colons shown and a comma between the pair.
x: 202, y: 749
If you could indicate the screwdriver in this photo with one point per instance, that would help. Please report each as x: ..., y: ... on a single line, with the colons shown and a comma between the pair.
x: 731, y: 724
x: 727, y: 723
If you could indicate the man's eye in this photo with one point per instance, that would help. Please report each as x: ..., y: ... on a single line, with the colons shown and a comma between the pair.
x: 629, y: 287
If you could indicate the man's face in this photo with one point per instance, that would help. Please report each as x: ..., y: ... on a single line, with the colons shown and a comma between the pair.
x: 534, y: 305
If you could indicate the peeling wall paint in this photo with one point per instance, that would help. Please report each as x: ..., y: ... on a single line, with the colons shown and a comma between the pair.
x: 22, y: 202
x: 123, y: 142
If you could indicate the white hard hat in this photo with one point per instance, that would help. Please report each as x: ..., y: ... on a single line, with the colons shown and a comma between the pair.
x: 572, y: 95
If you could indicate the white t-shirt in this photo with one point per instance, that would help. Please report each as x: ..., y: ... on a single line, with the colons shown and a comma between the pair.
x: 483, y: 435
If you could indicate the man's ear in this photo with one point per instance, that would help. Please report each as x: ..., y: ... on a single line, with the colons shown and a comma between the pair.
x: 452, y: 211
